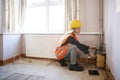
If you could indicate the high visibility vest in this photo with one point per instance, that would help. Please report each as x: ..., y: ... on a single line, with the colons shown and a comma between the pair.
x: 61, y: 50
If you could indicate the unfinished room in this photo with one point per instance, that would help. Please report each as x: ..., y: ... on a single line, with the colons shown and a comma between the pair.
x: 59, y: 39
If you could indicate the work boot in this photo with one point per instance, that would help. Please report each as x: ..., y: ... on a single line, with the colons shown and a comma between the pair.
x: 62, y: 62
x: 75, y: 68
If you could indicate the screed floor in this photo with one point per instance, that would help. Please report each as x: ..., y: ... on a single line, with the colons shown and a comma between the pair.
x: 51, y: 70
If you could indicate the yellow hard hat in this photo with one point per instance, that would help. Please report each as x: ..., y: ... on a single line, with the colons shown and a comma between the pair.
x: 74, y: 24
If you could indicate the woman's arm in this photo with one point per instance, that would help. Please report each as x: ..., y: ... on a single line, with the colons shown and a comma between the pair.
x: 82, y: 47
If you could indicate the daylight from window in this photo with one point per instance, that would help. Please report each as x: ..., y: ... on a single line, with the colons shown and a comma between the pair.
x: 44, y: 16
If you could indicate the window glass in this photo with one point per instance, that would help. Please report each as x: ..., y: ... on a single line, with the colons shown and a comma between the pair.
x: 36, y: 20
x: 56, y: 18
x: 32, y: 2
x: 56, y: 0
x: 44, y: 16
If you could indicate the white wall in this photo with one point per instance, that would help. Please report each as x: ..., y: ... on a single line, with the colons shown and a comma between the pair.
x: 12, y: 45
x: 112, y: 36
x: 45, y: 45
x: 1, y: 47
x: 89, y: 15
x: 41, y: 45
x: 0, y: 16
x: 1, y: 36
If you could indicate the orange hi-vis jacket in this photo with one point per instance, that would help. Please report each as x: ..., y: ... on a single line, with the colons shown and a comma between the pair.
x: 61, y: 49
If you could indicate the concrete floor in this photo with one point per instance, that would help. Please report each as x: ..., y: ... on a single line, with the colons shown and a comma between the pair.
x: 51, y: 70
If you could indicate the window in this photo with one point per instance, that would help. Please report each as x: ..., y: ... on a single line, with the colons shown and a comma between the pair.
x: 44, y: 16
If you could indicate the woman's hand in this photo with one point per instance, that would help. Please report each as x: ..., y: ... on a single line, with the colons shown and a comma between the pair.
x: 91, y: 55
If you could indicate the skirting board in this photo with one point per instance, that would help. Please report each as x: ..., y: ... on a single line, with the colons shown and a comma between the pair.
x: 10, y: 60
x: 109, y: 75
